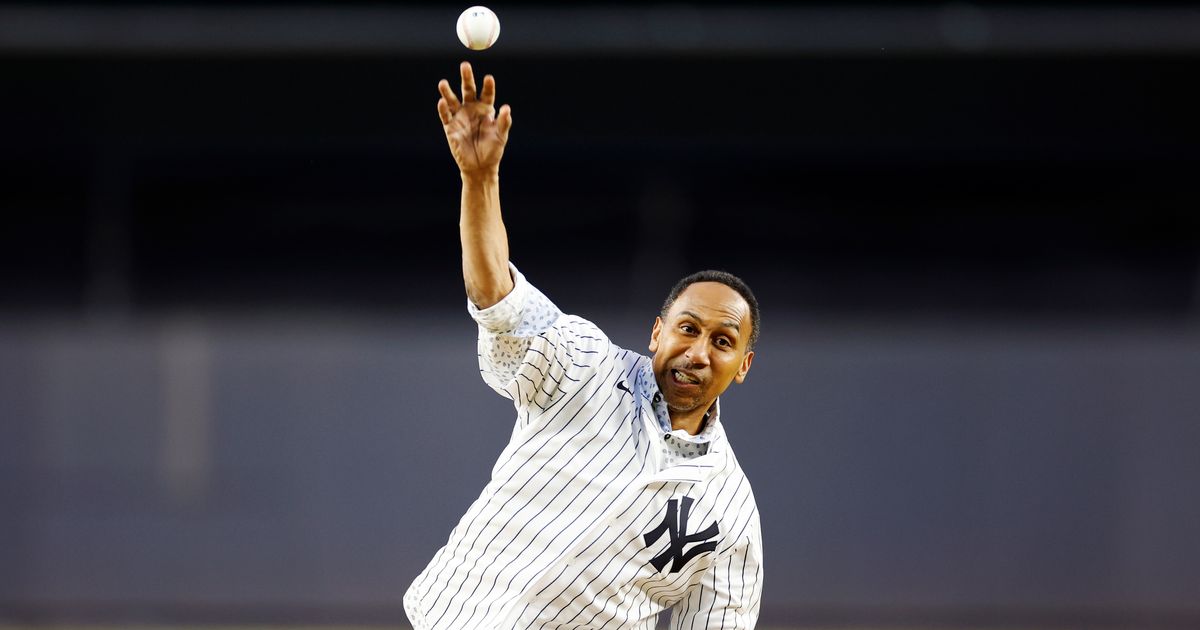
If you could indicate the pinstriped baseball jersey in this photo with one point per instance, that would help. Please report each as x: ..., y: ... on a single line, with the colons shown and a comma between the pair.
x: 585, y: 522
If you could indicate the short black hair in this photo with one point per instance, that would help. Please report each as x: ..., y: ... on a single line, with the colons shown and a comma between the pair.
x: 727, y: 279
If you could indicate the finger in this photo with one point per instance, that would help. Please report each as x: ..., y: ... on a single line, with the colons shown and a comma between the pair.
x: 504, y: 122
x: 448, y: 96
x: 444, y: 111
x: 468, y: 82
x: 488, y: 95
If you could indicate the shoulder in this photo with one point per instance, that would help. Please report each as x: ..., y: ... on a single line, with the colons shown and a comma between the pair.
x: 585, y: 341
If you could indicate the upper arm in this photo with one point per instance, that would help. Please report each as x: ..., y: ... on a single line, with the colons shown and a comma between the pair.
x: 508, y: 331
x: 536, y: 370
x: 530, y: 352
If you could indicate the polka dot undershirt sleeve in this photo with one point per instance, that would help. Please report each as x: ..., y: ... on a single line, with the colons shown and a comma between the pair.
x: 507, y: 328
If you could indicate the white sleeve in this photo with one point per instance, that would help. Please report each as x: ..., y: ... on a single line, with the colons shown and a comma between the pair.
x: 528, y: 351
x: 729, y: 593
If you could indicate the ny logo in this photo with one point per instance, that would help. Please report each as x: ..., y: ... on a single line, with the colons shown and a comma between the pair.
x: 675, y: 525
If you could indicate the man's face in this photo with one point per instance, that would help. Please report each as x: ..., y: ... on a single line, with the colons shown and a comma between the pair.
x: 701, y: 345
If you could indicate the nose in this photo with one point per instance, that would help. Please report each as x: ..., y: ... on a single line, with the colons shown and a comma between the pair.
x: 697, y: 352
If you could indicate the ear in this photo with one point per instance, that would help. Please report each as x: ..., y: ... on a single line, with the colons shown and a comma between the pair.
x: 654, y: 332
x: 746, y: 361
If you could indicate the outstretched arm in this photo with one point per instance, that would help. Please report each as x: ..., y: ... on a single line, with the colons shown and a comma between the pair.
x: 477, y: 135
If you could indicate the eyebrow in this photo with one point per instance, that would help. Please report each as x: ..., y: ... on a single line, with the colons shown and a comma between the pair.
x: 727, y: 323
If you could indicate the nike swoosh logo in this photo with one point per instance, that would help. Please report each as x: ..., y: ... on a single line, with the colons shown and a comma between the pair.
x: 621, y: 385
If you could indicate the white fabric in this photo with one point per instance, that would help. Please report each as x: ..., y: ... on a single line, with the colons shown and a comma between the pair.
x: 531, y: 311
x: 567, y: 531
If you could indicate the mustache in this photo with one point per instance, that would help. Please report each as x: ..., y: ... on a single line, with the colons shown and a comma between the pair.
x: 686, y: 365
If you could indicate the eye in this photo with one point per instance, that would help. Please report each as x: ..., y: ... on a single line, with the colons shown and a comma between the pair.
x: 687, y: 328
x: 724, y: 342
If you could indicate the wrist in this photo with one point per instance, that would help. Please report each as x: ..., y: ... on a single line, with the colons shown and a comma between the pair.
x: 481, y: 176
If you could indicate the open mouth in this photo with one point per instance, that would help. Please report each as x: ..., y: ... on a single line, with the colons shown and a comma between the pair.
x: 684, y: 378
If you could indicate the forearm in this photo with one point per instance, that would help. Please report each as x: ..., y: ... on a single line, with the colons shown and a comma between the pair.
x: 484, y: 240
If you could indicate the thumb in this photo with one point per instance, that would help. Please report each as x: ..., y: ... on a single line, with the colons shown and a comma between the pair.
x: 504, y: 121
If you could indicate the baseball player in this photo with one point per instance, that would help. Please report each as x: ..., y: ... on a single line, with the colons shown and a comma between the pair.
x: 618, y: 495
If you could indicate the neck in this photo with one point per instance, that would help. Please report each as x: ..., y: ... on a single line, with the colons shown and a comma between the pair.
x: 690, y: 421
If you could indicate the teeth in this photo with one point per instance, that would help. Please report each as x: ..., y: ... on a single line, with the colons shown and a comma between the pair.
x: 685, y: 378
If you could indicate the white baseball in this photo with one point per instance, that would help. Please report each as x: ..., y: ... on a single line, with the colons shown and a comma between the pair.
x: 478, y: 28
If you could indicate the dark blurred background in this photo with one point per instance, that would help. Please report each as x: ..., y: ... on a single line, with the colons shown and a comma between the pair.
x: 233, y: 344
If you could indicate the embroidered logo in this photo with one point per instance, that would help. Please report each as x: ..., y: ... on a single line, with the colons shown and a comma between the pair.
x: 675, y: 526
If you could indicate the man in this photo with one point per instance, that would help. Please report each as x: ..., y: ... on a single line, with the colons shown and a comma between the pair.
x: 618, y: 496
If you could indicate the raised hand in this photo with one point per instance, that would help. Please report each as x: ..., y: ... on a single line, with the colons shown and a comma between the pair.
x: 475, y: 132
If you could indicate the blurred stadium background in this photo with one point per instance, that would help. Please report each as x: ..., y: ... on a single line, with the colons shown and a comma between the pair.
x: 238, y: 385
